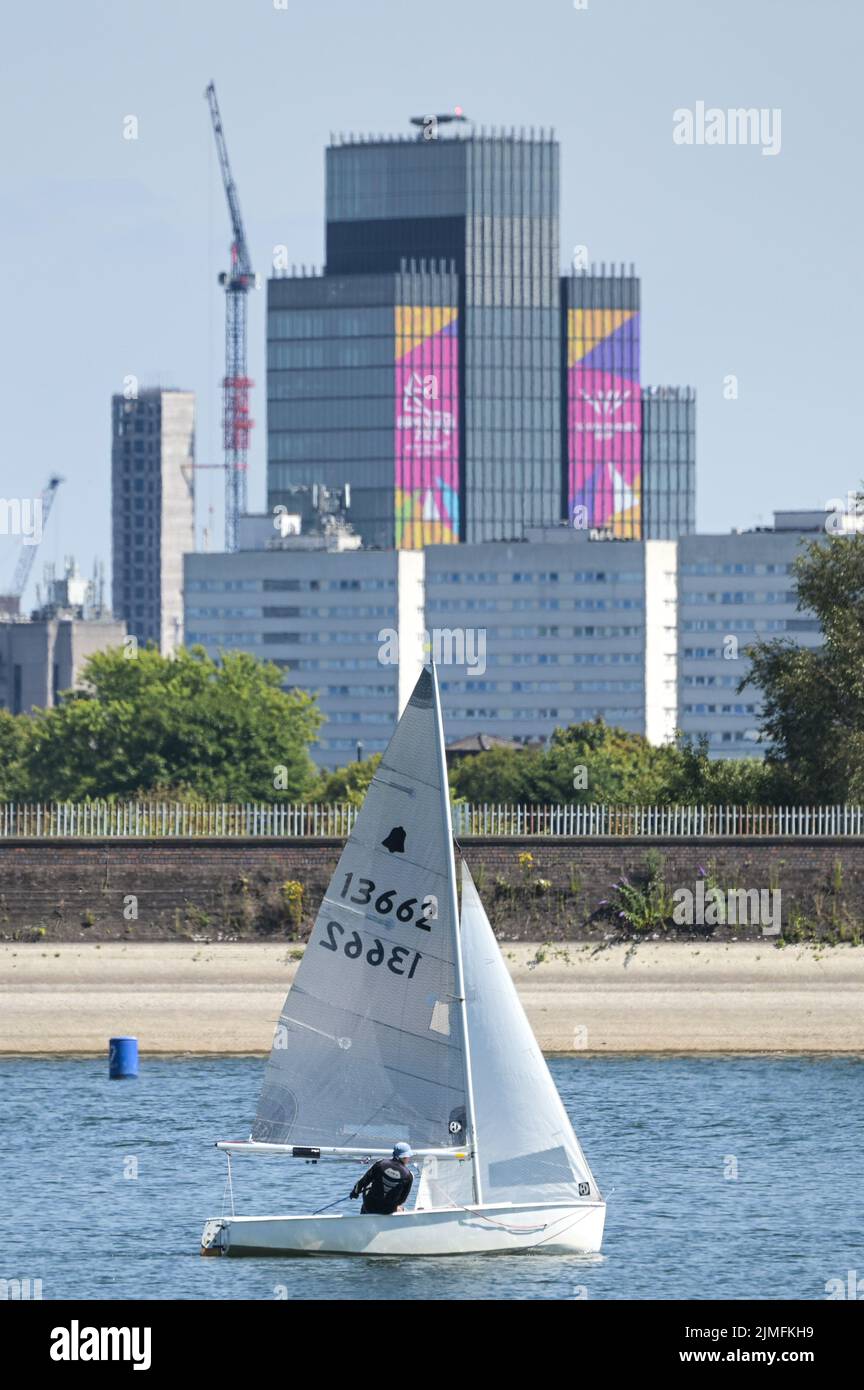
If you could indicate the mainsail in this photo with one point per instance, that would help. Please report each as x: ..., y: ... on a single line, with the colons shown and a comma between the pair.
x: 528, y: 1151
x: 369, y: 1045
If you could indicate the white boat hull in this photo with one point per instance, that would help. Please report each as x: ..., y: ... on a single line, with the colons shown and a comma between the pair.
x: 571, y: 1228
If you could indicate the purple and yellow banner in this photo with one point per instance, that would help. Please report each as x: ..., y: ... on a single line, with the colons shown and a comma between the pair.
x: 604, y: 418
x: 427, y: 426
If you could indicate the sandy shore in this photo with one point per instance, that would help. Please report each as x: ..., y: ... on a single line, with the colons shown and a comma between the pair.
x: 225, y: 998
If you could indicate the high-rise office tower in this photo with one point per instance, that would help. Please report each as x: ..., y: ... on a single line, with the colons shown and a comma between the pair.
x: 602, y: 401
x: 629, y: 465
x: 423, y: 366
x: 363, y: 388
x: 152, y: 511
x: 668, y: 462
x: 443, y: 367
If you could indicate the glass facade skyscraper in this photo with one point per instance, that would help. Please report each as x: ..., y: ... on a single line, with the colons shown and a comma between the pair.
x: 440, y: 364
x: 422, y: 368
x: 629, y: 467
x: 603, y: 402
x: 668, y: 462
x: 488, y: 206
x: 362, y: 385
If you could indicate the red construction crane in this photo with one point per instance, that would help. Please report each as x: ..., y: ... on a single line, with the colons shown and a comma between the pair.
x: 236, y: 421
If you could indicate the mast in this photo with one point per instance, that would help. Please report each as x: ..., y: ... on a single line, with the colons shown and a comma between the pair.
x: 460, y: 975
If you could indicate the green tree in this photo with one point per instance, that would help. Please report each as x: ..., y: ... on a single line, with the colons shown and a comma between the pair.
x: 594, y: 762
x: 591, y: 762
x: 620, y: 767
x: 223, y: 730
x: 697, y: 778
x: 14, y: 729
x: 813, y: 697
x: 500, y: 775
x: 349, y: 783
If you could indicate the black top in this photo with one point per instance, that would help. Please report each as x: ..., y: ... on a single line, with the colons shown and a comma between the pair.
x: 385, y: 1186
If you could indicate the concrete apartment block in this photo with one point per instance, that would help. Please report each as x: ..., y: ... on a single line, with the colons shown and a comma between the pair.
x: 562, y: 621
x: 734, y: 590
x: 328, y: 616
x: 152, y: 511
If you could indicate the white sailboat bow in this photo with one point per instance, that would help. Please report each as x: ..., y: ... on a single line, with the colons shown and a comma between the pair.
x: 403, y: 1024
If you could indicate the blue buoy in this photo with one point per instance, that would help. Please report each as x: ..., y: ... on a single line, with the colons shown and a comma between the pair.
x: 122, y: 1058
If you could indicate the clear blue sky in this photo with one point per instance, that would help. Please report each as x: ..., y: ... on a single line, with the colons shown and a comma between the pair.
x: 751, y: 265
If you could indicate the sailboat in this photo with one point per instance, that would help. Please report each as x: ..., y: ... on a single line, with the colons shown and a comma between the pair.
x: 403, y: 1024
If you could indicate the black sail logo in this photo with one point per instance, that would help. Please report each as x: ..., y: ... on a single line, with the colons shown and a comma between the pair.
x: 394, y: 841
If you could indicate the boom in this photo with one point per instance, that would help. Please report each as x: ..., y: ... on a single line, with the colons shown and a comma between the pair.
x: 236, y: 421
x: 28, y: 552
x: 241, y: 260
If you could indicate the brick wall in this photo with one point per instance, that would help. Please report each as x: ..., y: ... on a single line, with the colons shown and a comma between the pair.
x: 68, y: 889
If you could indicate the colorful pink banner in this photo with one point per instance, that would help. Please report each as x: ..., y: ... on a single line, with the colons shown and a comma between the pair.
x: 604, y: 413
x: 427, y: 427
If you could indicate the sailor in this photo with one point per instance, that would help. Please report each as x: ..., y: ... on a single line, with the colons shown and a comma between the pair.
x: 386, y: 1185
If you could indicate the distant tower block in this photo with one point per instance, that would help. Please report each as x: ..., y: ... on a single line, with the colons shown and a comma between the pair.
x: 423, y: 365
x: 152, y: 511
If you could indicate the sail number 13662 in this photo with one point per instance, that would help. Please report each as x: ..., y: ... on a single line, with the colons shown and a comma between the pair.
x: 376, y: 954
x: 386, y: 900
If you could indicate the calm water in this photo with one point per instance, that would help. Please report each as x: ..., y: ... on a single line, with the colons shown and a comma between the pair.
x: 658, y: 1133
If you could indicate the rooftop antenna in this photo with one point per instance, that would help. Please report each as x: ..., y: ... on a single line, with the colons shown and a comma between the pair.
x: 457, y: 116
